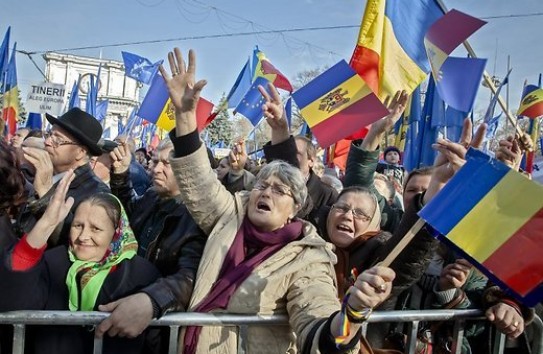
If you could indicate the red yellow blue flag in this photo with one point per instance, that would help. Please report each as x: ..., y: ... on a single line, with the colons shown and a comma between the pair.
x: 531, y: 105
x: 262, y: 67
x: 494, y: 216
x: 390, y: 53
x: 157, y: 107
x: 337, y: 103
x: 457, y: 79
x: 10, y: 110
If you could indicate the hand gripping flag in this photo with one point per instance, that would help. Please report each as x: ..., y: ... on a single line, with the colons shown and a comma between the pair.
x: 337, y: 103
x: 457, y: 79
x: 494, y: 216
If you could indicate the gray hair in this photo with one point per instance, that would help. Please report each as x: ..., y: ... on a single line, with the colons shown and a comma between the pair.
x: 291, y: 176
x: 164, y: 144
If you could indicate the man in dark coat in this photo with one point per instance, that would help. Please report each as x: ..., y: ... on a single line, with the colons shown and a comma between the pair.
x: 301, y: 152
x: 167, y: 236
x: 70, y: 144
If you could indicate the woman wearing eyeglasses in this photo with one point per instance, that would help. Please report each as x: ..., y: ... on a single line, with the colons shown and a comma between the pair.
x: 259, y: 257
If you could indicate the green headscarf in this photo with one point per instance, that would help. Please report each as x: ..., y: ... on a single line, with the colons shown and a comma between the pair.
x: 123, y: 246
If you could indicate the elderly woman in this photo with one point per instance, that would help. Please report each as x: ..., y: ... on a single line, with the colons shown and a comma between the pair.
x: 98, y: 267
x: 260, y: 258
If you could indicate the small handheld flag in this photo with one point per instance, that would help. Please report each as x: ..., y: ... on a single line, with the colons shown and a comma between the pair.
x: 479, y: 212
x: 531, y: 105
x: 262, y: 67
x: 457, y: 79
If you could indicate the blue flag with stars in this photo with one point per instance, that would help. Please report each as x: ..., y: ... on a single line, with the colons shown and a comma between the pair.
x: 251, y: 104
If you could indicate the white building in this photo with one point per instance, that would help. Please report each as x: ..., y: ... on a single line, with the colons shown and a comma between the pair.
x: 121, y: 91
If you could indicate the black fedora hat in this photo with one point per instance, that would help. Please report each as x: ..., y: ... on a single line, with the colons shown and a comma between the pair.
x: 82, y: 126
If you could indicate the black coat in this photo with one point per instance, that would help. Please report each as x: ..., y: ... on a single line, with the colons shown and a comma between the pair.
x: 84, y: 185
x: 168, y: 237
x: 43, y: 287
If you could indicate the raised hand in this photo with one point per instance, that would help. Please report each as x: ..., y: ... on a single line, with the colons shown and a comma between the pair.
x: 509, y: 152
x: 275, y: 114
x: 396, y: 107
x: 40, y: 159
x: 452, y: 156
x: 56, y: 212
x: 454, y: 275
x: 371, y: 288
x: 183, y: 89
x: 121, y: 158
x: 238, y: 156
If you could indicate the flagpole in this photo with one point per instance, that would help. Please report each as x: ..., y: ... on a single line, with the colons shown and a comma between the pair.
x: 490, y: 83
x: 403, y: 243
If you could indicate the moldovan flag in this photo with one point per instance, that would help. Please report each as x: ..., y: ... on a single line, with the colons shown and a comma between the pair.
x: 531, y: 105
x: 157, y: 107
x: 262, y: 67
x: 10, y: 112
x: 390, y: 53
x: 494, y: 216
x: 337, y: 103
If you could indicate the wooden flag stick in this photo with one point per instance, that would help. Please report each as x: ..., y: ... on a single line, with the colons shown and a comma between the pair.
x: 404, y: 242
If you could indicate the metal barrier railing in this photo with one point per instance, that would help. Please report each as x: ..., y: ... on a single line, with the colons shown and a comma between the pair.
x: 20, y: 319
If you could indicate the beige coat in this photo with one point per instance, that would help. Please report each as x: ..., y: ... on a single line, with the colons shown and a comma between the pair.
x: 298, y: 280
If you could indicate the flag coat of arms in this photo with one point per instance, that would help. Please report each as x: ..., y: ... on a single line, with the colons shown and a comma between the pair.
x: 337, y: 103
x: 494, y: 216
x: 531, y: 105
x: 157, y: 107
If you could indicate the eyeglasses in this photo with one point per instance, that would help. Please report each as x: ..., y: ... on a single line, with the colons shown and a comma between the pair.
x: 57, y: 141
x: 357, y: 213
x: 276, y: 189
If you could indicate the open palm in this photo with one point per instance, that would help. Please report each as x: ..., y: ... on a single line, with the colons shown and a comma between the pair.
x: 182, y: 86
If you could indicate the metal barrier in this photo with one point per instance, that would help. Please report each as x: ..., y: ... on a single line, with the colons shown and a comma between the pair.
x: 20, y: 319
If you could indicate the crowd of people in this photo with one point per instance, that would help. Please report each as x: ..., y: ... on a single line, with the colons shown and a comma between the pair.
x: 98, y: 225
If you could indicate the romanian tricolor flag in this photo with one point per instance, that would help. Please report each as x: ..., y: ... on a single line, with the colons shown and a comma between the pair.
x: 390, y: 53
x: 494, y: 216
x: 337, y: 103
x: 531, y: 105
x: 157, y: 107
x: 10, y: 110
x: 262, y: 67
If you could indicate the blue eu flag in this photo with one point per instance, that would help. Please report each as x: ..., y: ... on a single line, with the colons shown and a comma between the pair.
x: 139, y: 68
x: 251, y: 104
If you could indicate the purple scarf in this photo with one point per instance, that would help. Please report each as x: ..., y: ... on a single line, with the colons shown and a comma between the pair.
x: 237, y: 267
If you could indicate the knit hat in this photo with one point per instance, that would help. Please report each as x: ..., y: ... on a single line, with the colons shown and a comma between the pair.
x: 391, y: 148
